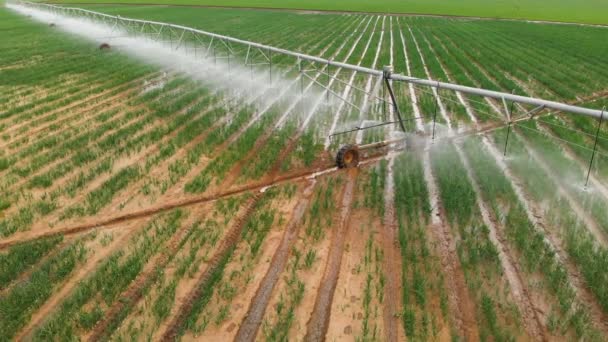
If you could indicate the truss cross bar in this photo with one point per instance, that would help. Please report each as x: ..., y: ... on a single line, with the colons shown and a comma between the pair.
x: 386, y: 75
x: 597, y: 134
x: 333, y: 92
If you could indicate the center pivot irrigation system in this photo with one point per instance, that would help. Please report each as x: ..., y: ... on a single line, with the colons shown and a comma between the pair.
x: 215, y: 46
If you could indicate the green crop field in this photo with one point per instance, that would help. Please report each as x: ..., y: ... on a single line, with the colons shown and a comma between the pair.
x: 580, y: 11
x: 165, y: 187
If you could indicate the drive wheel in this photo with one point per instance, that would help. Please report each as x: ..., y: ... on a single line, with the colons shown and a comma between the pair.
x: 348, y: 156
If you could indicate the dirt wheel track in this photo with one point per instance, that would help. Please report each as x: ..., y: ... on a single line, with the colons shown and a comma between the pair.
x: 257, y: 308
x: 175, y: 327
x: 461, y: 308
x: 319, y: 320
x: 392, y: 268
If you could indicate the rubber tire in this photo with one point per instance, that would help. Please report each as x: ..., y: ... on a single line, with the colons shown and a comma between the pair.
x: 347, y: 157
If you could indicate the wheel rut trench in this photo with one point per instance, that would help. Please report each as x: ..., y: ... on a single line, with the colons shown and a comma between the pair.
x: 319, y: 320
x: 176, y: 325
x: 257, y: 308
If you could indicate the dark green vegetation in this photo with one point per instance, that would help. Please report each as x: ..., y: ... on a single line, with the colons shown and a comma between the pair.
x: 586, y: 11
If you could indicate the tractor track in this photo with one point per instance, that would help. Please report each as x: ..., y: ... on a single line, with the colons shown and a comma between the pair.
x: 319, y: 320
x: 257, y: 308
x: 175, y: 327
x: 392, y: 261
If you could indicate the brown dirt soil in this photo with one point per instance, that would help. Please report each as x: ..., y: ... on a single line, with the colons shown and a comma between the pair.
x: 392, y: 264
x: 347, y: 310
x: 319, y: 320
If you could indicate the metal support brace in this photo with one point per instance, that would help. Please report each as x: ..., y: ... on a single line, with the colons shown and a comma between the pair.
x: 386, y: 75
x: 504, y: 153
x: 247, y: 56
x: 209, y: 47
x: 270, y: 66
x: 597, y: 135
x: 435, y: 116
x: 509, y: 112
x: 327, y: 92
x: 301, y: 76
x: 384, y: 100
x: 179, y: 42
